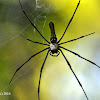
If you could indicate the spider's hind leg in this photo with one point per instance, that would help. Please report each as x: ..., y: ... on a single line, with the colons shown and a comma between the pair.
x: 41, y: 74
x: 74, y: 75
x: 80, y: 56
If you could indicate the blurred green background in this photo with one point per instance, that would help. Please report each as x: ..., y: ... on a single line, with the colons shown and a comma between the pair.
x: 58, y: 82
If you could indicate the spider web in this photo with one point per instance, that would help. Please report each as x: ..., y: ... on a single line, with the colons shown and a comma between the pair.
x: 57, y: 81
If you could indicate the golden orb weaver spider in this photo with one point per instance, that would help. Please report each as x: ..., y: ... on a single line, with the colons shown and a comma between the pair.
x: 54, y: 48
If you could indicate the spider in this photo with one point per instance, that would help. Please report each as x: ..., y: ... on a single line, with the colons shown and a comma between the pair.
x: 54, y: 49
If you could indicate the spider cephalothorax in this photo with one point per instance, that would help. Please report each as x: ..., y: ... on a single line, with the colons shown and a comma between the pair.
x: 54, y: 49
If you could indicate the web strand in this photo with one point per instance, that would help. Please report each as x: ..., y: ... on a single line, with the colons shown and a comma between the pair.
x: 32, y: 23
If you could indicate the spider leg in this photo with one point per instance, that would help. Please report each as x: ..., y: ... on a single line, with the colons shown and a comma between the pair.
x: 80, y: 56
x: 41, y: 75
x: 74, y: 74
x: 32, y: 23
x: 33, y: 41
x: 69, y: 21
x: 26, y: 62
x: 77, y: 38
